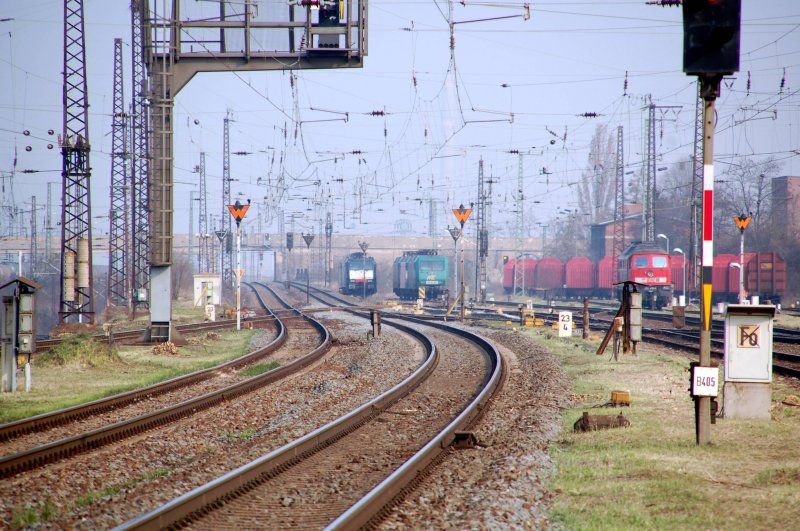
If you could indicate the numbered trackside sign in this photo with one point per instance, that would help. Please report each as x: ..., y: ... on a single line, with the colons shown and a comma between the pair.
x: 564, y: 324
x: 705, y: 381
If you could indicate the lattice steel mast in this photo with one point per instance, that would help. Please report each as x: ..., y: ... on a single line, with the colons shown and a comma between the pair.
x: 48, y: 238
x: 227, y: 273
x: 328, y: 248
x: 519, y: 268
x: 118, y: 290
x: 76, y: 229
x: 34, y: 245
x: 140, y: 119
x: 618, y: 244
x: 204, y: 263
x: 482, y: 240
x: 649, y: 201
x: 697, y: 191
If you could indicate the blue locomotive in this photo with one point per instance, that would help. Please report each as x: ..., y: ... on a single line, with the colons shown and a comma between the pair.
x: 357, y: 275
x: 420, y: 274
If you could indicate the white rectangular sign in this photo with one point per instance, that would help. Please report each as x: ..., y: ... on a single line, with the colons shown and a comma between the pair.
x: 705, y: 381
x: 564, y: 324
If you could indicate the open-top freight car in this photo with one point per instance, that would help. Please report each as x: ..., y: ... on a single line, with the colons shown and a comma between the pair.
x: 764, y: 277
x: 357, y: 275
x: 421, y: 274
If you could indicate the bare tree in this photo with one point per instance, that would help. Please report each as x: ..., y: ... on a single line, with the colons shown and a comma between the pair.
x: 745, y: 188
x: 596, y: 187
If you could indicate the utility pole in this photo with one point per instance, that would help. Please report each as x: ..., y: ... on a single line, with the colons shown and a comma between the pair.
x: 618, y: 244
x: 48, y: 220
x: 34, y: 246
x: 328, y: 248
x: 482, y: 240
x: 226, y: 196
x: 118, y: 290
x: 77, y: 298
x: 649, y: 202
x: 697, y: 192
x: 204, y: 262
x: 710, y: 51
x: 140, y: 164
x: 519, y: 203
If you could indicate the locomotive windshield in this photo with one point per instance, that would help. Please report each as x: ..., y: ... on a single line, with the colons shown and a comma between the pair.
x: 659, y: 261
x: 433, y: 266
x: 650, y: 261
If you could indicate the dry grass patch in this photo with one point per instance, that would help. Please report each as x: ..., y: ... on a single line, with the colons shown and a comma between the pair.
x: 57, y: 385
x: 652, y: 475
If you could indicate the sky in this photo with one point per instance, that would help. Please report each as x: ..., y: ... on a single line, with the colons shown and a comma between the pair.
x: 419, y: 116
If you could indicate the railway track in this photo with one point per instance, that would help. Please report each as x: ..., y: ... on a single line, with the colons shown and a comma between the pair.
x: 114, y: 430
x: 364, y: 460
x: 133, y: 336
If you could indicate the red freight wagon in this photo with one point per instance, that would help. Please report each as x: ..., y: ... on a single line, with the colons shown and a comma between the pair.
x: 765, y: 276
x: 720, y: 279
x: 579, y: 277
x: 676, y: 264
x: 524, y: 279
x: 605, y: 277
x: 549, y: 275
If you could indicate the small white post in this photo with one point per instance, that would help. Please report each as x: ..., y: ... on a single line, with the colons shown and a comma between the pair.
x: 238, y: 278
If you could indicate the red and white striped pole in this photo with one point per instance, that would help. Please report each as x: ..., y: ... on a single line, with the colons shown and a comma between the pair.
x: 710, y: 91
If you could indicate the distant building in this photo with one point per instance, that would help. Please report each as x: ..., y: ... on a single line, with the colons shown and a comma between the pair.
x: 602, y: 234
x: 786, y: 207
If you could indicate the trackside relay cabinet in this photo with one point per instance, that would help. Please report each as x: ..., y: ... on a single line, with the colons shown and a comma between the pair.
x: 748, y: 361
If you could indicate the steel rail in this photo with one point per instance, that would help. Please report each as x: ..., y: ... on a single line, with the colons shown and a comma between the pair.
x: 49, y: 420
x: 371, y: 508
x: 35, y: 457
x: 202, y: 499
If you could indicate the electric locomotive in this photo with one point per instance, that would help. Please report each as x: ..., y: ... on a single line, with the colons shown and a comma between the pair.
x: 420, y: 274
x: 357, y: 275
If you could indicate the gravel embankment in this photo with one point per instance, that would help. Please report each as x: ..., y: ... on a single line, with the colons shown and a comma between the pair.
x: 505, y: 484
x: 104, y: 488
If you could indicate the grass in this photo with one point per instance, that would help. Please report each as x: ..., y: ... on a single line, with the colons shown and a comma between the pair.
x: 260, y: 368
x: 233, y: 437
x: 40, y: 514
x: 652, y: 475
x: 57, y: 385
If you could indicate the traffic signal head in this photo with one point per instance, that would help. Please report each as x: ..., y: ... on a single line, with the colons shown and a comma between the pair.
x: 505, y: 259
x: 711, y: 36
x: 290, y: 240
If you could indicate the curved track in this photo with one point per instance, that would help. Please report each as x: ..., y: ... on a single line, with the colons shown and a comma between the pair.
x: 362, y: 460
x: 43, y: 454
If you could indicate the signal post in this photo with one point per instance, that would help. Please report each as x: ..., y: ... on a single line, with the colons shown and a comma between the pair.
x: 238, y: 212
x: 462, y: 215
x: 710, y: 51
